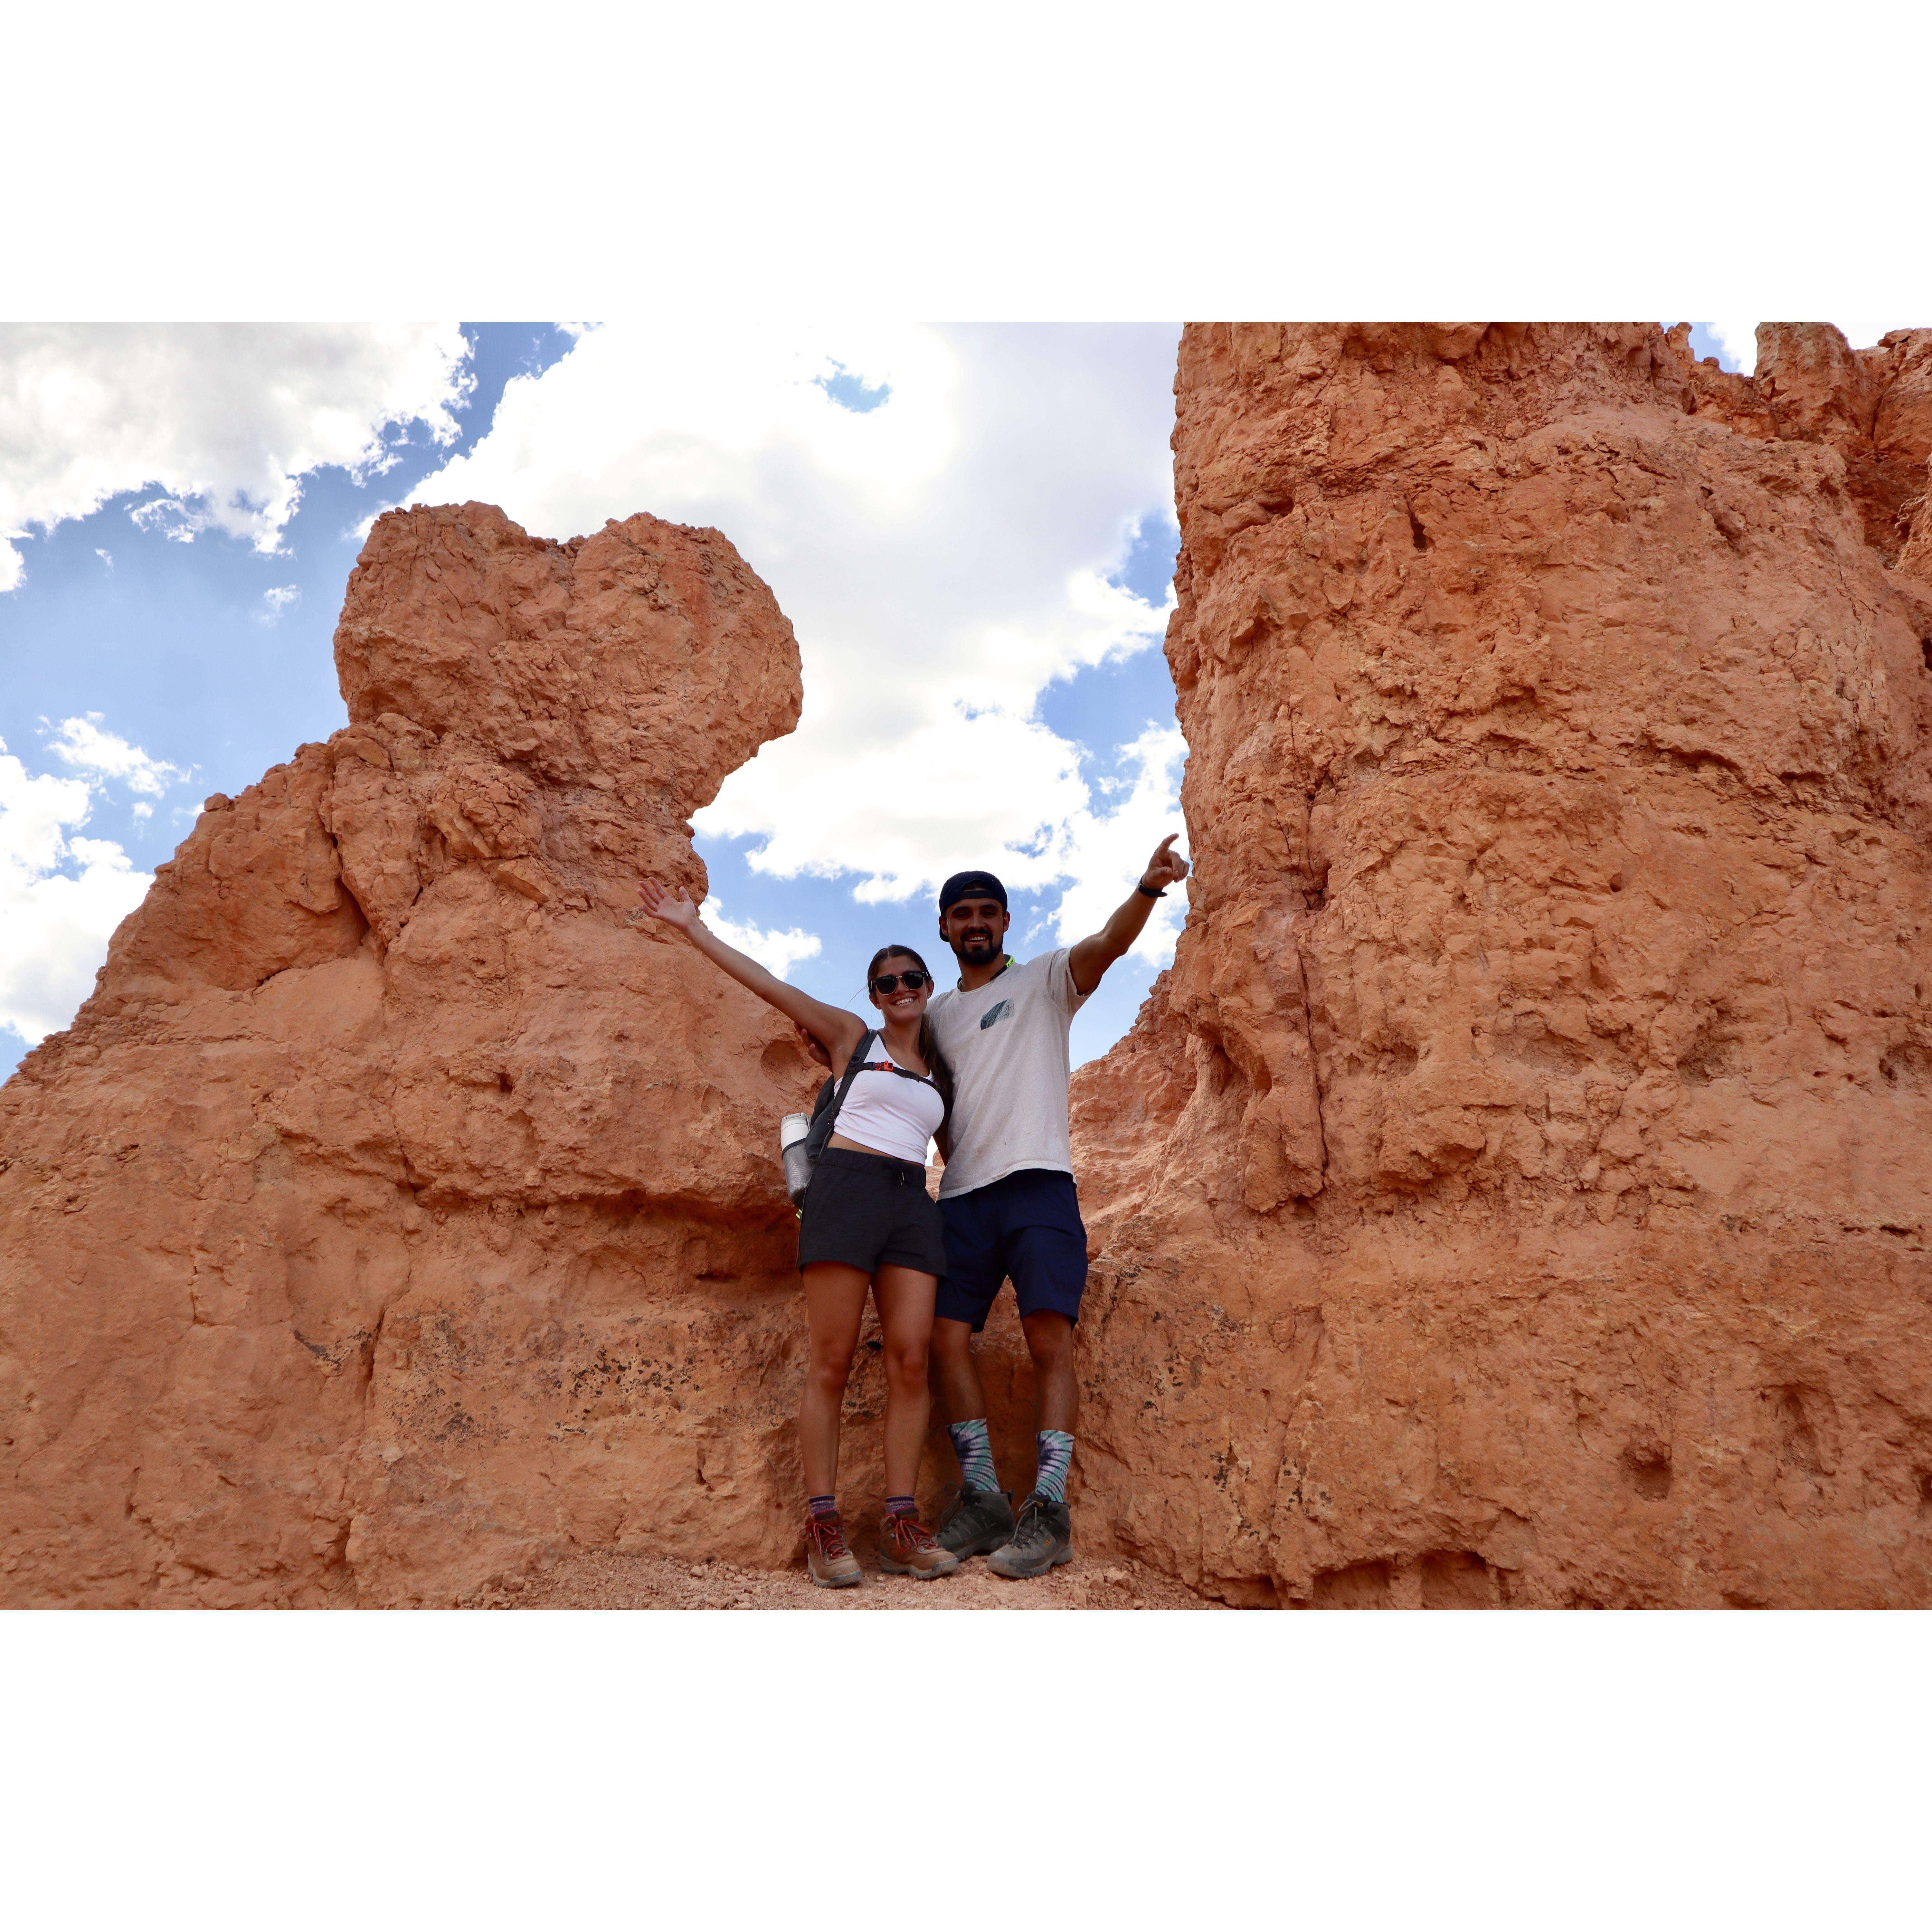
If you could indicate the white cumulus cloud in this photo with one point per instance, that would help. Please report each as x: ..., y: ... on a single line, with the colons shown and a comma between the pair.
x: 776, y: 951
x: 61, y: 896
x: 1740, y: 344
x: 220, y: 421
x: 81, y: 743
x: 945, y: 554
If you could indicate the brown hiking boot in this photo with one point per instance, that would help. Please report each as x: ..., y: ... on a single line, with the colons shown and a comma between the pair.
x: 832, y: 1565
x: 906, y: 1548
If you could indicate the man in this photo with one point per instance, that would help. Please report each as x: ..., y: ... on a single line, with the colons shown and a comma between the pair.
x: 1008, y: 1200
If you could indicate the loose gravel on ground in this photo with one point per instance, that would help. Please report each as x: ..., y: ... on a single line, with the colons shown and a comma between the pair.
x: 604, y: 1580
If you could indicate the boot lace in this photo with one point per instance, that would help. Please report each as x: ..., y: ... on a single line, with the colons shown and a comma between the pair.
x: 908, y: 1534
x: 826, y: 1534
x: 1033, y: 1526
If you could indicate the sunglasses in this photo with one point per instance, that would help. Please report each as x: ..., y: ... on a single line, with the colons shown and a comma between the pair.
x: 911, y: 981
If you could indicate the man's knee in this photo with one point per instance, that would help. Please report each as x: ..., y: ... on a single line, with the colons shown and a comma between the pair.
x: 952, y: 1341
x: 1049, y: 1338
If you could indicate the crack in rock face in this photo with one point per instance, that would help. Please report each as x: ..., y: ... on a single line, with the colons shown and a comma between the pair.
x: 1519, y: 1190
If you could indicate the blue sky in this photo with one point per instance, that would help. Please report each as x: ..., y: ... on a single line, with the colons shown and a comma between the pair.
x: 1016, y: 480
x: 173, y: 642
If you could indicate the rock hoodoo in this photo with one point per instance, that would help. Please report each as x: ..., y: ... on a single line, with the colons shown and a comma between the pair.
x: 1519, y: 1191
x: 395, y: 1208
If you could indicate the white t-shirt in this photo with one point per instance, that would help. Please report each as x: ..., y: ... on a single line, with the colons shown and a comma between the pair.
x: 888, y: 1113
x: 1007, y: 1043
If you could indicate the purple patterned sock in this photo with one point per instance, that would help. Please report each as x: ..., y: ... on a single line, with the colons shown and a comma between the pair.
x: 821, y: 1505
x: 1055, y: 1450
x: 901, y: 1506
x: 974, y: 1448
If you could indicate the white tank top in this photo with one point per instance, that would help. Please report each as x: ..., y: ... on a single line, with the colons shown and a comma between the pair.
x: 890, y: 1113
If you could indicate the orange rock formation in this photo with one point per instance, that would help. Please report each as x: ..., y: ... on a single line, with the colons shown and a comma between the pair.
x: 395, y: 1208
x: 1519, y: 1190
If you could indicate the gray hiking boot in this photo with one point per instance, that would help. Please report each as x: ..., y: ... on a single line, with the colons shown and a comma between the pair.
x: 1044, y: 1537
x: 980, y: 1521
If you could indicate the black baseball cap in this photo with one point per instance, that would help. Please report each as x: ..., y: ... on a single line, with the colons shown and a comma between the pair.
x: 971, y: 886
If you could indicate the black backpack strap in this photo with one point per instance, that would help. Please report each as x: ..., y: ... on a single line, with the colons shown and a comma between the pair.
x: 825, y: 1114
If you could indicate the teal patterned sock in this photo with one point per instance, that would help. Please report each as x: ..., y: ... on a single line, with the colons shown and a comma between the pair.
x: 1054, y: 1448
x: 974, y: 1448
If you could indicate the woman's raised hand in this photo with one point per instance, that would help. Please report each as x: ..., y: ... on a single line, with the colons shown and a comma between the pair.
x: 827, y: 1025
x: 674, y: 908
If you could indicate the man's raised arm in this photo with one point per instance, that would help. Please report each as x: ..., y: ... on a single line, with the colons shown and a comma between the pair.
x: 1090, y: 958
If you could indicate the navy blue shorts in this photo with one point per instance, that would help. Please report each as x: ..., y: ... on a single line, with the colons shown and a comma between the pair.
x: 1027, y: 1225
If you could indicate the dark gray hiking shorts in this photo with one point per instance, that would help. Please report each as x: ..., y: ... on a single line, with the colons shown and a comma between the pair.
x: 871, y: 1212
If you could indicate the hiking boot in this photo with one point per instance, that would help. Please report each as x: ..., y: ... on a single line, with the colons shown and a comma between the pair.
x: 832, y: 1565
x: 981, y: 1520
x: 1043, y: 1537
x: 906, y: 1548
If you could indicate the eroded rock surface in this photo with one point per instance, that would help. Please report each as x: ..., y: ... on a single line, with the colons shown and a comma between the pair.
x: 396, y: 1208
x: 1519, y: 1191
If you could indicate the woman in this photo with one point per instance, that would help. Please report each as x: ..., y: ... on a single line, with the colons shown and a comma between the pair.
x: 868, y: 1222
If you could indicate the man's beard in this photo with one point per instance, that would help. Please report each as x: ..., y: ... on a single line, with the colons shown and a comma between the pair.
x: 978, y: 949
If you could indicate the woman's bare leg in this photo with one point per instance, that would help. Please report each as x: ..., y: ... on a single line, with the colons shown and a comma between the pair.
x: 904, y: 1297
x: 835, y: 1302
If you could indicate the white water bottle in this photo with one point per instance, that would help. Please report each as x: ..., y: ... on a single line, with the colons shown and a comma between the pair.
x: 792, y: 1132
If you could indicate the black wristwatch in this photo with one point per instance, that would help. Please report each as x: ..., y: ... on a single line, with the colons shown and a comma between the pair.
x: 1149, y: 891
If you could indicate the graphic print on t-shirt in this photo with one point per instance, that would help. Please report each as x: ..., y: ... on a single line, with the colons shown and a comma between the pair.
x: 1007, y: 1043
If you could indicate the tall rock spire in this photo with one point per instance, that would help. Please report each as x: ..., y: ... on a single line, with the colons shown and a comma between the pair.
x: 1520, y: 1189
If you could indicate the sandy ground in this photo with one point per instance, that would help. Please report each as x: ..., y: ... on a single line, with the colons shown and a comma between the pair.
x: 601, y: 1580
